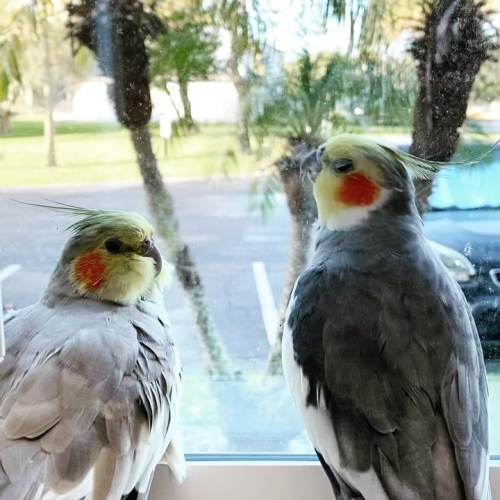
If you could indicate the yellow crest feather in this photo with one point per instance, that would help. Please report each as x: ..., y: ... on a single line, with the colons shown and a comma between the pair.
x: 95, y: 219
x: 418, y: 167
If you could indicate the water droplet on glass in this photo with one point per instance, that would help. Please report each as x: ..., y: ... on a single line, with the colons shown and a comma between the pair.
x: 468, y: 249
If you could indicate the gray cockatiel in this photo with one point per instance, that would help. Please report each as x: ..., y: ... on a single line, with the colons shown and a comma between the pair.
x: 380, y: 351
x: 90, y: 384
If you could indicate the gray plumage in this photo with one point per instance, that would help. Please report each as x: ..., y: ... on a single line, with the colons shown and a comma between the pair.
x: 387, y: 368
x: 89, y: 393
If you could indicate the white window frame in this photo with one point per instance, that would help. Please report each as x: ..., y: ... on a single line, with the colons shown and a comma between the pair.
x: 258, y: 480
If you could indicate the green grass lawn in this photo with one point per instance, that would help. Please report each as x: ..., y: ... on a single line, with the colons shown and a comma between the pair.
x: 104, y: 152
x: 93, y: 152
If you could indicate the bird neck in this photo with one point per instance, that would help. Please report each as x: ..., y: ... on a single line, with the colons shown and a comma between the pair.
x: 380, y: 238
x: 62, y: 286
x: 59, y: 286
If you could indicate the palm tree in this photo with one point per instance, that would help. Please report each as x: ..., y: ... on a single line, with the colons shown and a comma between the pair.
x: 10, y: 76
x: 243, y: 28
x: 183, y: 53
x: 116, y: 31
x: 296, y: 111
x: 449, y: 53
x: 26, y: 27
x: 46, y: 8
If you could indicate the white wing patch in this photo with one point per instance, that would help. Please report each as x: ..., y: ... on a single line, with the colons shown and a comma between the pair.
x: 152, y: 450
x: 318, y: 423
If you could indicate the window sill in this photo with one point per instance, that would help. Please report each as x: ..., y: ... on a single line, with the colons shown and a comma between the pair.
x: 262, y: 480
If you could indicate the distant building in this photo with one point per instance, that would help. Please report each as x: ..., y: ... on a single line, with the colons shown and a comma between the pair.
x: 211, y: 102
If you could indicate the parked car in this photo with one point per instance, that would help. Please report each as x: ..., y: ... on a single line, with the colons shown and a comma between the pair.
x: 464, y: 227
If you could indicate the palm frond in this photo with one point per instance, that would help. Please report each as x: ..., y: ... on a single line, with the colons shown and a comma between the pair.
x: 263, y: 192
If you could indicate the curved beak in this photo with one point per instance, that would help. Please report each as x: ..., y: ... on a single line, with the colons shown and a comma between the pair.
x: 154, y: 253
x: 311, y: 164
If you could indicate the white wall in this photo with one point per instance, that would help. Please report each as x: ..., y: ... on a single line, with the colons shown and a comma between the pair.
x: 273, y: 480
x: 211, y: 102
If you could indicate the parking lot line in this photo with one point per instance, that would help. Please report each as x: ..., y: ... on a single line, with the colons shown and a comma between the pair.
x: 266, y: 300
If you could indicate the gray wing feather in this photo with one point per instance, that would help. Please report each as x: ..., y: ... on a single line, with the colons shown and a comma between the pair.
x: 464, y: 395
x: 111, y: 474
x: 80, y: 384
x: 65, y: 469
x: 16, y: 457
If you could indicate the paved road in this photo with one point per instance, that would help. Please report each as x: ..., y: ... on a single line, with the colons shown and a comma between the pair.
x: 216, y: 222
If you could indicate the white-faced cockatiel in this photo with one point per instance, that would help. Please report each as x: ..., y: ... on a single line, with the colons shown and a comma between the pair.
x: 89, y: 388
x: 380, y: 351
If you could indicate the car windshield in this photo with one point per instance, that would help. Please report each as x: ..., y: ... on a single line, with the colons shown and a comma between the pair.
x: 467, y: 187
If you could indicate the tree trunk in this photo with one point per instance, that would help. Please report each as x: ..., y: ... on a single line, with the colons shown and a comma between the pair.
x: 48, y: 124
x: 303, y: 212
x: 242, y: 90
x: 167, y: 226
x: 177, y: 112
x: 186, y: 104
x: 4, y: 121
x: 242, y: 123
x: 449, y: 56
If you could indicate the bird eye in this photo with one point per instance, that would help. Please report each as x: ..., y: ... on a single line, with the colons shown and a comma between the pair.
x: 114, y: 245
x: 343, y: 165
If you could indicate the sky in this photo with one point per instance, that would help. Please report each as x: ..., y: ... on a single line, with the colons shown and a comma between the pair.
x: 296, y: 26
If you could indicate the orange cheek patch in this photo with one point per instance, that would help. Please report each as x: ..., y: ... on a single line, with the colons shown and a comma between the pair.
x: 357, y: 190
x: 89, y: 270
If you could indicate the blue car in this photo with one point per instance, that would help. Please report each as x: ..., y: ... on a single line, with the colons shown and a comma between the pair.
x: 464, y: 228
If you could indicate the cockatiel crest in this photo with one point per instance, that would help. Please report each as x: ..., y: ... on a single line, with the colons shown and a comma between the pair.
x: 90, y: 386
x: 380, y: 350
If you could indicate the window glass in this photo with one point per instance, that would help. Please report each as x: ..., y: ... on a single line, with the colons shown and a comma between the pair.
x: 223, y: 99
